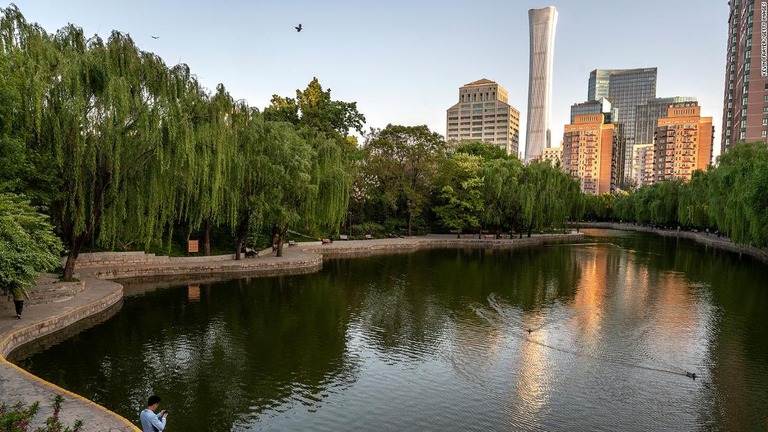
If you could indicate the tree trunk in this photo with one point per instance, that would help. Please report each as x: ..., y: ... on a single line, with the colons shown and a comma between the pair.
x: 240, y: 236
x: 75, y: 245
x: 281, y: 239
x: 530, y: 228
x: 410, y: 218
x: 207, y: 237
x: 238, y: 248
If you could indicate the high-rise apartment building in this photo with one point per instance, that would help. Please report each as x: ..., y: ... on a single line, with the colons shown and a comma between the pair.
x: 610, y: 115
x: 483, y: 114
x: 648, y: 115
x: 642, y: 164
x: 683, y: 142
x: 538, y: 135
x: 626, y: 89
x: 601, y: 106
x: 745, y: 104
x: 590, y: 153
x: 553, y: 155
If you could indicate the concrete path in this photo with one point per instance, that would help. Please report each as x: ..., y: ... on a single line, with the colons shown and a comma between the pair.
x: 55, y: 306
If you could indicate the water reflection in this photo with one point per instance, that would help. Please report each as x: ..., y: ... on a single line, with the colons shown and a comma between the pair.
x: 585, y: 337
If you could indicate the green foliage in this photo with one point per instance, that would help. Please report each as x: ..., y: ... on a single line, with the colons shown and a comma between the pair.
x: 17, y: 418
x: 459, y: 188
x: 731, y: 198
x: 28, y: 247
x: 401, y: 162
x: 547, y: 197
x: 484, y: 150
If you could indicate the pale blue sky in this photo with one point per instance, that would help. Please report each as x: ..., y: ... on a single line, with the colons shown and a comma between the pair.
x: 403, y: 61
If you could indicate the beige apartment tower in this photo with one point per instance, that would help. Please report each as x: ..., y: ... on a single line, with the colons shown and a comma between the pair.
x: 642, y: 164
x: 683, y: 142
x: 553, y: 155
x: 483, y: 114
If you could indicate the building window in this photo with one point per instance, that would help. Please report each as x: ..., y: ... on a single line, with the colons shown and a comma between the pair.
x: 765, y: 134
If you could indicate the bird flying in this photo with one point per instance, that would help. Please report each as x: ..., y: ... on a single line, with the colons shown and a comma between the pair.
x: 155, y: 37
x: 298, y: 28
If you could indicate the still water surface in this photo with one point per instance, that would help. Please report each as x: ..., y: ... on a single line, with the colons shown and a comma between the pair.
x: 439, y: 341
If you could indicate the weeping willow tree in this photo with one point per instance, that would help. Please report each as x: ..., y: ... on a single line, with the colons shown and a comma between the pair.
x: 547, y: 197
x: 205, y: 158
x: 500, y: 191
x: 330, y: 181
x: 96, y: 114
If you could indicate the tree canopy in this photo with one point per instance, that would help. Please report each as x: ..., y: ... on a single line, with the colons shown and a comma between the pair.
x: 28, y: 246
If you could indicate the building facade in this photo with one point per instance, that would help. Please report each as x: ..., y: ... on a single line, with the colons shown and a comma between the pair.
x: 683, y: 142
x: 590, y: 153
x: 642, y: 164
x: 648, y: 115
x: 626, y: 89
x: 745, y: 104
x: 597, y: 106
x: 483, y: 114
x: 538, y: 135
x: 553, y: 155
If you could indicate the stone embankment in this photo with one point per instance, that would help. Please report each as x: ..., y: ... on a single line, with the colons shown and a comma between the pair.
x: 55, y: 306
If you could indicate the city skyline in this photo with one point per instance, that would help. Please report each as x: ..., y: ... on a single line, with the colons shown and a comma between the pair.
x: 399, y: 66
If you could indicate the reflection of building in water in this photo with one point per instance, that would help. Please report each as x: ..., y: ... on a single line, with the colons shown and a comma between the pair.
x: 620, y: 302
x: 193, y: 292
x: 533, y: 381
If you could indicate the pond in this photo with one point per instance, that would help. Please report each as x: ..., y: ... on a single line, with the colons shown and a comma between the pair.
x: 599, y: 335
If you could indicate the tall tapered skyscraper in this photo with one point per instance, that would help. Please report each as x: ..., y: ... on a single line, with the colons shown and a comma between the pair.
x: 542, y: 30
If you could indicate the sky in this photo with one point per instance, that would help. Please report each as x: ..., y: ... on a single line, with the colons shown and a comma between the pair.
x: 404, y: 61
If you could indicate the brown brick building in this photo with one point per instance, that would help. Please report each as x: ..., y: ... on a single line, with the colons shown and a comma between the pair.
x: 745, y: 105
x: 683, y: 142
x: 591, y: 153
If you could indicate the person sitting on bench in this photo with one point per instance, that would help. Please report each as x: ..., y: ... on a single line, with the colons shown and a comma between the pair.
x: 250, y: 253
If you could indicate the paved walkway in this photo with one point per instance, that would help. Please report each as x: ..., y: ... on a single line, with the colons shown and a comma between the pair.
x: 55, y: 306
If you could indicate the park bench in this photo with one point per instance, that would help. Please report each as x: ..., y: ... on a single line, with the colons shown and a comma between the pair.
x: 343, y: 237
x: 368, y: 237
x: 467, y: 236
x: 250, y: 253
x: 489, y: 236
x: 292, y: 243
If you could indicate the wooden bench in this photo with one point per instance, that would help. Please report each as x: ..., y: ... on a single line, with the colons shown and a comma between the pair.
x: 368, y: 237
x: 326, y: 241
x: 467, y: 236
x: 251, y: 253
x: 292, y: 243
x: 343, y: 237
x: 489, y: 236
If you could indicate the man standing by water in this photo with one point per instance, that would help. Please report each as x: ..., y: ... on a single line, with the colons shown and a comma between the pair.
x: 151, y: 422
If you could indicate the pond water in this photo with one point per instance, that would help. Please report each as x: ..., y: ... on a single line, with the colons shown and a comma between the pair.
x: 591, y: 336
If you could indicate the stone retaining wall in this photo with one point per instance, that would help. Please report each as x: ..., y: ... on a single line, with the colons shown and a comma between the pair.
x: 57, y: 322
x: 410, y: 245
x: 252, y: 266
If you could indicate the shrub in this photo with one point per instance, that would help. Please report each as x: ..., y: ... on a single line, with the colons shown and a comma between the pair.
x: 17, y: 418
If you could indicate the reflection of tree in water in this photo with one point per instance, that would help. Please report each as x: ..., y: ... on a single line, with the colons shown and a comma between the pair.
x: 412, y: 301
x: 400, y: 311
x: 242, y: 349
